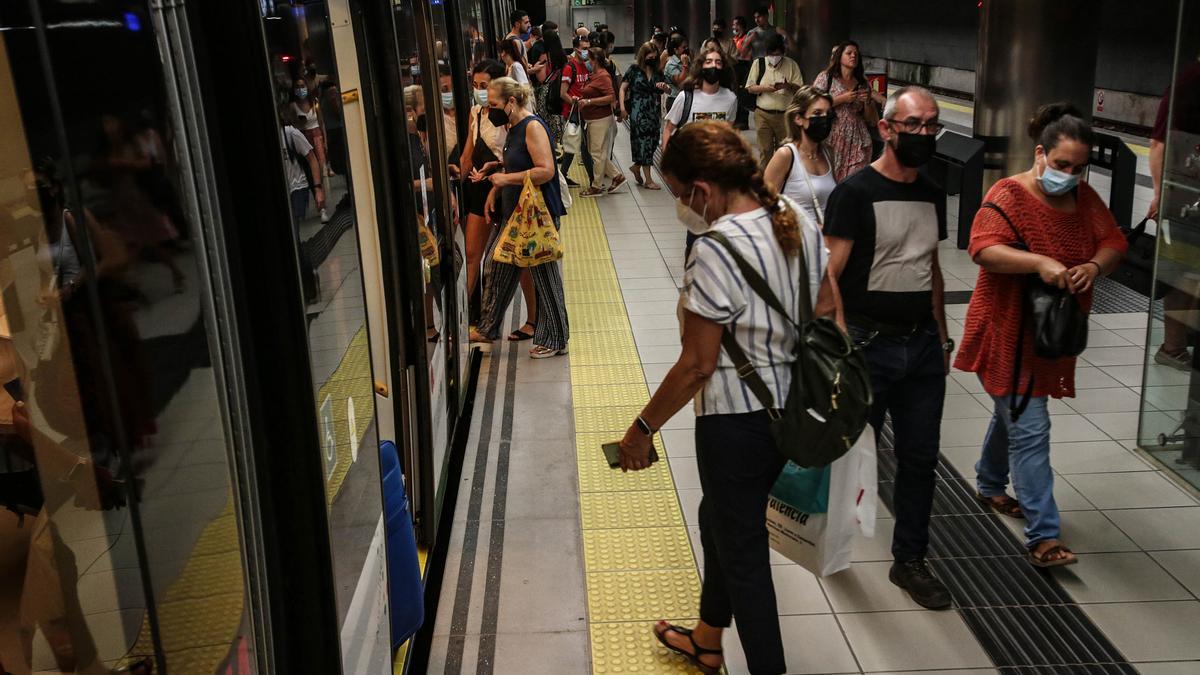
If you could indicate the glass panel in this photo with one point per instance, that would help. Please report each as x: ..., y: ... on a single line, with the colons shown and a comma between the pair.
x: 314, y: 156
x: 119, y: 542
x: 1170, y: 414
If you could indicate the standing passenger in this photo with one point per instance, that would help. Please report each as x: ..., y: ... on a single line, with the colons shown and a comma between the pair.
x: 743, y: 53
x: 854, y: 104
x: 1068, y: 238
x: 595, y: 106
x: 678, y: 64
x: 548, y: 97
x: 772, y: 79
x: 575, y: 76
x: 528, y: 149
x: 641, y: 91
x: 480, y: 159
x: 720, y: 188
x: 883, y: 225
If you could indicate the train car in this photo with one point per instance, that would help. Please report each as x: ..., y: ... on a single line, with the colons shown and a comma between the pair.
x: 233, y: 286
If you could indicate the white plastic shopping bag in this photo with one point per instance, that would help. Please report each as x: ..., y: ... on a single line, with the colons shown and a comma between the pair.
x: 818, y: 533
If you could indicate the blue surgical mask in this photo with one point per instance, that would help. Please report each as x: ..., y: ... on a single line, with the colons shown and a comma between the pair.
x: 416, y: 71
x: 1056, y: 183
x: 481, y: 96
x: 591, y: 67
x: 584, y: 56
x: 447, y: 100
x: 301, y: 93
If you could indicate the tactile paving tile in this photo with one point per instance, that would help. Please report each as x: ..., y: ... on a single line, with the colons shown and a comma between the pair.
x: 600, y: 348
x: 644, y: 548
x: 615, y: 419
x: 630, y: 647
x: 642, y: 595
x: 617, y: 373
x: 623, y: 510
x: 600, y: 292
x: 594, y: 396
x: 592, y: 317
x: 595, y: 475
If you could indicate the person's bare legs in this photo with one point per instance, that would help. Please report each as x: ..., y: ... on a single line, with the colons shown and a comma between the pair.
x: 477, y: 233
x: 530, y: 294
x: 706, y: 636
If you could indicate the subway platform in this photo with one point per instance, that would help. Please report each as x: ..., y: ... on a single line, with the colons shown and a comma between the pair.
x: 558, y: 564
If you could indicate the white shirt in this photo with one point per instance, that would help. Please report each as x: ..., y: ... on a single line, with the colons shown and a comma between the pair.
x: 801, y: 186
x: 517, y: 72
x: 492, y: 135
x: 306, y: 120
x: 719, y: 106
x: 715, y: 289
x: 291, y: 137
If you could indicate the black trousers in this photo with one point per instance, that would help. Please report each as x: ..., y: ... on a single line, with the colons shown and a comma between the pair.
x: 738, y: 465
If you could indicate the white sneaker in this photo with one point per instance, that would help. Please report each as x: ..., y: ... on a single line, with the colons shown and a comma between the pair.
x: 324, y: 216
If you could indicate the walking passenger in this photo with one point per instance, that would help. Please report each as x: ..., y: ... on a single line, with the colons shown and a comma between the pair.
x: 575, y: 75
x: 599, y: 127
x: 882, y: 226
x: 854, y: 104
x: 714, y: 172
x: 802, y: 169
x: 528, y: 149
x: 773, y: 79
x: 641, y: 93
x: 676, y: 69
x: 480, y: 159
x: 1044, y: 222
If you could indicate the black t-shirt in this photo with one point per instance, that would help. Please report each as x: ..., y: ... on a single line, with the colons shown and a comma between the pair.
x: 895, y: 227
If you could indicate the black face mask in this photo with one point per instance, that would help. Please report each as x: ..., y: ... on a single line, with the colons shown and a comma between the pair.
x: 497, y: 117
x: 711, y: 75
x: 652, y: 63
x: 819, y: 128
x: 421, y: 123
x: 914, y: 150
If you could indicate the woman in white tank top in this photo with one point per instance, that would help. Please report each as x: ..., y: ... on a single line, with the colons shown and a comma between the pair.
x: 802, y: 168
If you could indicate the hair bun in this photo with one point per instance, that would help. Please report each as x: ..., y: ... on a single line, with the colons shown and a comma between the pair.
x: 1048, y: 114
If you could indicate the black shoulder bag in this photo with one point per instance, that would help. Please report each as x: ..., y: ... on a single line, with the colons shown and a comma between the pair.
x: 1060, y: 326
x: 830, y: 396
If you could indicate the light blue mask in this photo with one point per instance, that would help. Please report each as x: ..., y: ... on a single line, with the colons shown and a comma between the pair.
x: 416, y: 71
x: 1056, y: 183
x: 584, y: 56
x: 481, y: 96
x: 447, y: 100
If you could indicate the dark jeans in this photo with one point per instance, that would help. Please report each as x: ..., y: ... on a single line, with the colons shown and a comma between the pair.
x: 746, y: 100
x: 583, y: 152
x: 908, y: 377
x: 738, y: 465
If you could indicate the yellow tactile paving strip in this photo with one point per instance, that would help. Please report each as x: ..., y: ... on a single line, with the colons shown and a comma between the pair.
x: 637, y: 557
x: 201, y: 612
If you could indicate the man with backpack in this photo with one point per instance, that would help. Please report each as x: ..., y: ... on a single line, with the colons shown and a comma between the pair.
x: 773, y: 79
x: 574, y: 76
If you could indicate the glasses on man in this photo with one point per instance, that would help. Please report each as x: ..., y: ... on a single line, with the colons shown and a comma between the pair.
x: 914, y: 126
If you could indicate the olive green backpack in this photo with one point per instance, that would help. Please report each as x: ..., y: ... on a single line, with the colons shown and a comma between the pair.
x: 830, y: 396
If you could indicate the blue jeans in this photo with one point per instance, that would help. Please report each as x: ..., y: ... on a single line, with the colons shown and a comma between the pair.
x: 908, y: 378
x: 1021, y: 448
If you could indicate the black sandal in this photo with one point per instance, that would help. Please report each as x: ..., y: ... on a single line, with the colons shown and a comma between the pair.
x: 692, y: 657
x: 1002, y: 504
x: 520, y: 335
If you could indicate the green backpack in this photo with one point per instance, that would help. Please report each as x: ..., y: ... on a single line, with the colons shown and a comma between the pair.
x: 830, y: 397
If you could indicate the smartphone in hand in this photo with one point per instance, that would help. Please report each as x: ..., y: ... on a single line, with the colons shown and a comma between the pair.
x: 612, y: 453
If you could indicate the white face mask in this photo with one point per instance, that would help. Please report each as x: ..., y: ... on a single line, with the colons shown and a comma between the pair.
x: 775, y: 60
x: 695, y: 223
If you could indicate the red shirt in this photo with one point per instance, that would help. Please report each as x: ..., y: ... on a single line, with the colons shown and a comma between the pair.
x: 989, y: 343
x: 577, y: 74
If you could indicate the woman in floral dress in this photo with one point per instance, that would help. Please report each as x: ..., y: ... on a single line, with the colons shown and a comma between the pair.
x: 854, y: 108
x: 641, y: 89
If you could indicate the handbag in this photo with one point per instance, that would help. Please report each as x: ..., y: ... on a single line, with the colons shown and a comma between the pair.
x: 1136, y: 271
x: 529, y: 238
x: 1060, y: 326
x: 830, y: 396
x: 572, y: 138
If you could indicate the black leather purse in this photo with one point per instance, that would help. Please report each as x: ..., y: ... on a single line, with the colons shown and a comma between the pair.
x: 1060, y: 326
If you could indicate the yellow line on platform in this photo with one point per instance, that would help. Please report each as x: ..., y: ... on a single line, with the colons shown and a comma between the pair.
x: 637, y: 557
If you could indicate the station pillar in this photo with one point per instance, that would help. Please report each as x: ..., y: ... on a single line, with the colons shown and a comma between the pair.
x: 813, y: 28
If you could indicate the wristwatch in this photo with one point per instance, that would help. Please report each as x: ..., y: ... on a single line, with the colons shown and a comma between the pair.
x: 644, y: 426
x: 948, y: 345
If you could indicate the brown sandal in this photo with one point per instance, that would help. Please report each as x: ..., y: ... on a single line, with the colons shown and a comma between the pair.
x: 1051, y: 557
x: 693, y: 657
x: 1002, y: 504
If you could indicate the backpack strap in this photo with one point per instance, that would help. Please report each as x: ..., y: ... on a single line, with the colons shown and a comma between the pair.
x: 687, y: 107
x: 1015, y: 407
x: 761, y: 64
x: 755, y: 280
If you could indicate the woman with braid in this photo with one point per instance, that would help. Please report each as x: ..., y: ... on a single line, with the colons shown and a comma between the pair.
x: 722, y: 195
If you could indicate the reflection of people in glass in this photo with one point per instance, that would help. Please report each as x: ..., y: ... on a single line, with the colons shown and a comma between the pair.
x: 307, y: 119
x: 481, y: 157
x: 335, y: 128
x: 119, y: 167
x: 1183, y: 288
x: 302, y: 167
x: 528, y: 150
x: 449, y: 119
x: 418, y: 148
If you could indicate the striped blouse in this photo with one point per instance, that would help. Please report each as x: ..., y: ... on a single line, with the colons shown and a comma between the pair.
x: 715, y: 289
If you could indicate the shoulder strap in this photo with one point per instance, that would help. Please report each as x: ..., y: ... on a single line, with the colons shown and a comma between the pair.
x: 997, y: 209
x: 1015, y: 407
x: 788, y: 175
x: 687, y: 107
x: 761, y: 64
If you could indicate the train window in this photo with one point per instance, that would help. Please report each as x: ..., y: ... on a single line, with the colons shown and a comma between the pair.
x: 116, y: 498
x: 316, y: 159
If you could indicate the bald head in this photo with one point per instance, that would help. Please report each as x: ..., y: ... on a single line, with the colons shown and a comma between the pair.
x: 910, y: 102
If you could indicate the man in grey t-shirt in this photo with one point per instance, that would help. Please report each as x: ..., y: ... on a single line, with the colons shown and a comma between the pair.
x: 757, y: 36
